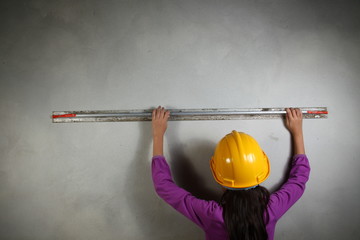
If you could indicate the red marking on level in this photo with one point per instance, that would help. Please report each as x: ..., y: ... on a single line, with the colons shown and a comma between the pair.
x: 64, y: 115
x: 317, y: 112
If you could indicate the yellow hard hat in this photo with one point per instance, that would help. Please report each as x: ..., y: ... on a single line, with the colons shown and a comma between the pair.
x: 239, y: 162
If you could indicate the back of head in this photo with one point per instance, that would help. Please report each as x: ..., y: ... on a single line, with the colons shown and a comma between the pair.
x: 240, y: 165
x: 243, y: 213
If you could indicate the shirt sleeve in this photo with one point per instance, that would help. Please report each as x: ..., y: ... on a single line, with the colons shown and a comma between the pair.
x: 292, y: 189
x: 197, y: 210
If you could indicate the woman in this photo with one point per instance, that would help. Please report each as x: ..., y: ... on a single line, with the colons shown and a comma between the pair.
x: 247, y: 210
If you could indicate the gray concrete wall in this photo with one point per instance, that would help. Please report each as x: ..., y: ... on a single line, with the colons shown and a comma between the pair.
x: 92, y: 180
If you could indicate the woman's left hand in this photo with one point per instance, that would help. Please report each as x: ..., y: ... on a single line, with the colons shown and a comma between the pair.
x: 160, y: 117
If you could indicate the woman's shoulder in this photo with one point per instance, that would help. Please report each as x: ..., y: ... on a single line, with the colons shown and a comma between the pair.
x: 209, y: 208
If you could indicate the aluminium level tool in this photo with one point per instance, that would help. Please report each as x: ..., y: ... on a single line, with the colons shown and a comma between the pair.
x: 183, y: 114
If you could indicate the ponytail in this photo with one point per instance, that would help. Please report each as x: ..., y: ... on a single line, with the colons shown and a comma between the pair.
x: 243, y: 213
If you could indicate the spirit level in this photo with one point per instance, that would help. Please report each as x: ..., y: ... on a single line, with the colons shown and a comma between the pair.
x: 184, y: 114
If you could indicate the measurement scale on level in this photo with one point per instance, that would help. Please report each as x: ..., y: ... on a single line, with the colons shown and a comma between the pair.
x: 184, y: 114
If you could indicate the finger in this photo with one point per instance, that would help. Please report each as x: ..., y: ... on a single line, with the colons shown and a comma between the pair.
x: 293, y: 113
x: 298, y: 113
x: 162, y: 112
x: 288, y: 116
x: 167, y: 114
x: 154, y: 114
x: 158, y: 112
x: 289, y: 113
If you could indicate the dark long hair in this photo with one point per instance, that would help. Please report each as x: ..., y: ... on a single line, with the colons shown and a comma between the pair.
x: 243, y: 212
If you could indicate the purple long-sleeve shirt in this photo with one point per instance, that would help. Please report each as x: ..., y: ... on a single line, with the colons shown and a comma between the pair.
x: 208, y: 214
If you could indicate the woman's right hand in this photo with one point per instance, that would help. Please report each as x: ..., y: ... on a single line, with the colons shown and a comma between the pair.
x: 293, y: 120
x: 293, y: 123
